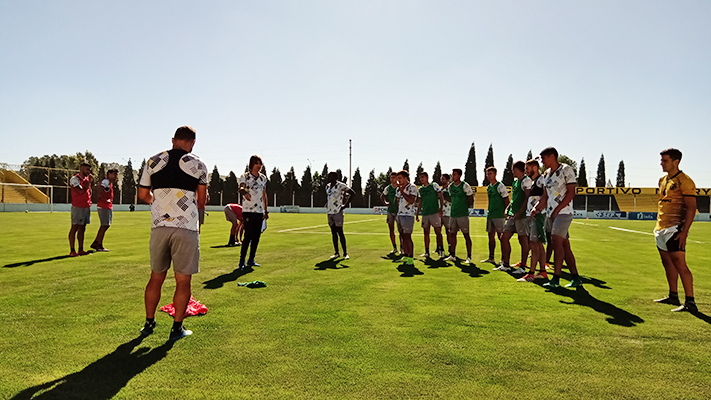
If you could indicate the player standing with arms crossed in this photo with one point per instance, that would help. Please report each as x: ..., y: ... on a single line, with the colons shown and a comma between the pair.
x: 537, y: 229
x: 105, y: 208
x: 81, y: 208
x: 495, y: 217
x: 518, y: 221
x: 676, y: 211
x: 388, y: 198
x: 335, y: 204
x: 174, y: 183
x: 430, y: 205
x: 462, y: 197
x: 407, y: 197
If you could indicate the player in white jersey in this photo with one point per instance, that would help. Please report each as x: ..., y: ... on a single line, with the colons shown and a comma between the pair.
x: 446, y: 210
x: 557, y: 200
x: 537, y: 230
x: 338, y: 195
x: 253, y: 188
x: 407, y: 206
x: 174, y: 183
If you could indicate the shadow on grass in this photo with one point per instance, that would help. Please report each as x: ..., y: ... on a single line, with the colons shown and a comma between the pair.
x: 408, y: 271
x: 701, y: 316
x: 586, y: 280
x: 433, y: 264
x: 223, y: 246
x: 220, y: 281
x: 329, y: 264
x: 103, y: 378
x: 582, y: 297
x: 28, y: 263
x: 471, y: 269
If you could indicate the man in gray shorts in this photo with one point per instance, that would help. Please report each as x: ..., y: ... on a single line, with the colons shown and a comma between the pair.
x: 430, y: 205
x: 105, y: 208
x: 517, y: 221
x: 174, y: 183
x: 557, y: 200
x: 462, y: 197
x: 81, y: 208
x: 388, y: 198
x: 338, y: 195
x: 495, y: 216
x: 407, y: 199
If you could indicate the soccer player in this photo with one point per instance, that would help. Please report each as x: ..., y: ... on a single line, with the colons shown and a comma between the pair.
x: 253, y: 187
x: 495, y: 218
x: 517, y: 220
x: 338, y: 195
x: 388, y: 198
x: 233, y: 213
x: 676, y: 211
x: 446, y: 209
x: 81, y: 208
x: 557, y: 200
x: 174, y: 183
x: 537, y: 231
x: 105, y: 207
x: 462, y: 197
x: 430, y: 205
x: 407, y: 197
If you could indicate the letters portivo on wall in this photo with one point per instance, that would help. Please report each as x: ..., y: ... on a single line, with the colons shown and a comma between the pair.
x: 630, y: 191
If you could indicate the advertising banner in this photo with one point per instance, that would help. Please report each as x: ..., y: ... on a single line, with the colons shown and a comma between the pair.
x: 610, y: 214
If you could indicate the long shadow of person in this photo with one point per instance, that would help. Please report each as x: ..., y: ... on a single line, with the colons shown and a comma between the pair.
x: 103, y: 378
x: 586, y: 280
x: 433, y: 264
x: 582, y: 297
x: 408, y: 271
x: 471, y: 269
x: 392, y: 257
x: 220, y: 281
x: 28, y: 263
x: 701, y: 316
x: 331, y: 263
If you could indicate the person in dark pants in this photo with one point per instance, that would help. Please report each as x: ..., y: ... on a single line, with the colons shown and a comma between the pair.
x: 253, y: 188
x: 338, y: 196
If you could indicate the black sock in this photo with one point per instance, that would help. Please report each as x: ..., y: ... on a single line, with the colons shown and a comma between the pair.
x: 427, y: 250
x: 689, y: 300
x: 673, y: 294
x: 177, y: 326
x: 575, y: 276
x: 150, y: 320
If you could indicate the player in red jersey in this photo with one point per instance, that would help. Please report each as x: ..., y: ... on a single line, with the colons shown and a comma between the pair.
x: 105, y: 208
x: 81, y: 207
x: 233, y: 213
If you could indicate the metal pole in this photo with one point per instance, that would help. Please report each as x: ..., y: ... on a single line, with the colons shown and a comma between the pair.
x: 350, y: 165
x: 610, y: 206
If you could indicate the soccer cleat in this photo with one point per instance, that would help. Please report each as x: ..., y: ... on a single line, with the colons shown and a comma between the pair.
x: 442, y: 254
x: 73, y: 254
x: 526, y: 278
x: 518, y: 264
x: 83, y: 253
x: 503, y: 268
x: 393, y: 252
x: 548, y: 266
x: 346, y: 257
x: 518, y: 271
x: 241, y: 266
x: 148, y: 328
x: 489, y: 260
x: 179, y: 334
x: 451, y: 257
x: 102, y: 249
x: 468, y: 261
x: 669, y: 300
x: 554, y: 283
x: 541, y: 275
x: 252, y: 263
x: 689, y: 307
x: 576, y: 282
x: 335, y: 255
x: 425, y: 255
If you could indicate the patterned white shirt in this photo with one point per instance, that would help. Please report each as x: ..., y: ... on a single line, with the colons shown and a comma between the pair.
x: 556, y: 185
x: 334, y: 196
x: 255, y: 186
x: 174, y: 176
x: 446, y: 204
x: 537, y: 189
x: 405, y: 208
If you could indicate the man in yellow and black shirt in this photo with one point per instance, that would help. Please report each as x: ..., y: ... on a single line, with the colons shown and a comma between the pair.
x: 677, y: 208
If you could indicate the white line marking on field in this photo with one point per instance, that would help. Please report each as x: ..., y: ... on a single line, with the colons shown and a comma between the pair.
x: 321, y: 226
x: 585, y: 223
x: 647, y: 233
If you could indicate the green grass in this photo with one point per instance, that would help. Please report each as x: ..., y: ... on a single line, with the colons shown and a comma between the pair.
x: 359, y: 330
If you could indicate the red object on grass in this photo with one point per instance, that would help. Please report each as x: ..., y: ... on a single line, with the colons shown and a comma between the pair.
x: 194, y: 308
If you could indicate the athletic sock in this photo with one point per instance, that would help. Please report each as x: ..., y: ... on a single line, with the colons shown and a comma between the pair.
x: 575, y: 276
x: 150, y: 320
x: 177, y: 325
x: 673, y: 294
x: 689, y: 300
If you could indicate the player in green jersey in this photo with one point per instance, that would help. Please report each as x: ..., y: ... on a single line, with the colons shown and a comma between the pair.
x: 462, y: 197
x: 517, y: 221
x: 498, y: 201
x: 388, y: 198
x: 430, y: 206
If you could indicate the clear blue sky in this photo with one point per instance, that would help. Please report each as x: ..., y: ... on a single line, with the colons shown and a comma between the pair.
x: 422, y: 80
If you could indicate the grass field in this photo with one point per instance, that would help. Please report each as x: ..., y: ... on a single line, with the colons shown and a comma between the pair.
x: 358, y: 329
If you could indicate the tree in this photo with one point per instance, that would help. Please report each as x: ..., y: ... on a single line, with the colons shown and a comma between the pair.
x: 563, y: 159
x: 529, y: 156
x: 416, y: 179
x: 290, y: 185
x: 230, y: 189
x: 140, y: 174
x: 437, y: 174
x: 320, y: 187
x: 371, y: 190
x: 600, y: 180
x: 306, y: 188
x: 214, y: 188
x: 621, y: 174
x: 470, y: 167
x: 275, y: 185
x: 406, y: 166
x: 340, y: 177
x: 508, y: 178
x: 488, y: 163
x: 582, y: 176
x: 357, y: 188
x: 128, y: 185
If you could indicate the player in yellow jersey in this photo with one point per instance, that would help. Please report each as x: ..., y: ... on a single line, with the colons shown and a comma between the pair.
x: 676, y: 211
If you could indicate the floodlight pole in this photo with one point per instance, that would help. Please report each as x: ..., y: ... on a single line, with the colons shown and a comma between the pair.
x: 350, y: 167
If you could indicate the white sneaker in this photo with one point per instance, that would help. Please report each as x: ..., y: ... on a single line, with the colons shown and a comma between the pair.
x: 336, y: 255
x: 346, y: 257
x: 451, y: 258
x: 469, y: 260
x: 518, y: 270
x: 425, y: 255
x: 489, y: 260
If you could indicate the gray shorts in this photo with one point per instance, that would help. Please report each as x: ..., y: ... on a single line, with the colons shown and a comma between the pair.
x: 433, y: 220
x: 559, y: 226
x: 106, y: 216
x: 521, y: 226
x: 537, y: 229
x: 495, y: 224
x: 405, y: 223
x: 335, y: 219
x: 230, y: 215
x: 445, y: 222
x: 181, y: 246
x: 81, y: 215
x: 459, y: 224
x: 390, y: 219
